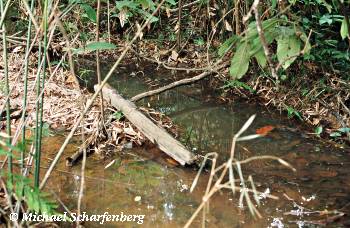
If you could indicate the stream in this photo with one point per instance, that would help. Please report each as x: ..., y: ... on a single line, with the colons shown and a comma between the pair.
x: 138, y: 183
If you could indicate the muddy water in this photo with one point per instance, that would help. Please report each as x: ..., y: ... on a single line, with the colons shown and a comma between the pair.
x: 136, y: 184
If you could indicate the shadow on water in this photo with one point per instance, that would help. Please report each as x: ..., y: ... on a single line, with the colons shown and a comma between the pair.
x: 136, y: 184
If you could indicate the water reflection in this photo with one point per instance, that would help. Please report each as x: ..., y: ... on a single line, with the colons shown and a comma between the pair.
x: 321, y: 181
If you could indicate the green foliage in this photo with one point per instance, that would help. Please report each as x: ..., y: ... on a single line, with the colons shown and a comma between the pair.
x: 84, y: 73
x: 335, y: 134
x: 288, y: 47
x: 344, y: 31
x: 240, y: 61
x: 261, y: 58
x: 90, y: 12
x: 318, y: 130
x: 36, y: 200
x: 127, y: 9
x: 94, y: 46
x: 291, y: 112
x: 287, y: 39
x: 6, y: 147
x: 236, y: 83
x: 118, y: 115
x: 227, y: 45
x: 339, y: 132
x: 45, y: 130
x: 330, y: 32
x: 289, y: 42
x: 199, y: 41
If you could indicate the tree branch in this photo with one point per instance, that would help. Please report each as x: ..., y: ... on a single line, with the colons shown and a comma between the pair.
x: 263, y: 39
x: 177, y: 83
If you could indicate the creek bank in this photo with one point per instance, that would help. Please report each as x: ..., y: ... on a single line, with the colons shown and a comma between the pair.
x: 322, y: 106
x: 307, y: 93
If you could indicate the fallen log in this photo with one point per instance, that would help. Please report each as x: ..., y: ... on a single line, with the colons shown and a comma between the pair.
x: 154, y: 133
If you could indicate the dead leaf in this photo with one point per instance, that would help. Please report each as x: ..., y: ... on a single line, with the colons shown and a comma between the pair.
x: 122, y: 17
x: 228, y: 26
x: 173, y: 57
x: 264, y: 130
x: 130, y: 131
x: 17, y: 49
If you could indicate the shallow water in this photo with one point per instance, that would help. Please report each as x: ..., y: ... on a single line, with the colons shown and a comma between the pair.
x: 161, y: 191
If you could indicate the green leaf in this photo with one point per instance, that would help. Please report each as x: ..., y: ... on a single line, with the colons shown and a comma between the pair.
x: 291, y: 112
x: 270, y: 35
x: 94, y: 46
x: 90, y: 12
x: 236, y: 83
x: 288, y: 47
x: 118, y: 115
x: 274, y: 4
x: 318, y: 130
x: 344, y: 32
x: 261, y: 58
x: 126, y: 3
x: 252, y: 31
x: 227, y: 45
x: 344, y: 130
x: 326, y: 19
x: 240, y: 61
x: 147, y: 15
x: 335, y: 134
x: 147, y: 4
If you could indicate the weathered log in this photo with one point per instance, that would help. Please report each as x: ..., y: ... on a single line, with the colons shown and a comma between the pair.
x: 154, y: 133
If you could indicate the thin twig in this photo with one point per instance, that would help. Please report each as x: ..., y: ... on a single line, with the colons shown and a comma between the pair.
x: 177, y: 83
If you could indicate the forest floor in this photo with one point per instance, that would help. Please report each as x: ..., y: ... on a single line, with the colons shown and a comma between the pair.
x: 322, y: 104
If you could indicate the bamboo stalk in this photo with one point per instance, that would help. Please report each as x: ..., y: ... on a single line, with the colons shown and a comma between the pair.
x: 108, y: 22
x: 7, y: 88
x: 25, y: 77
x: 3, y: 12
x: 98, y: 67
x: 41, y: 100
